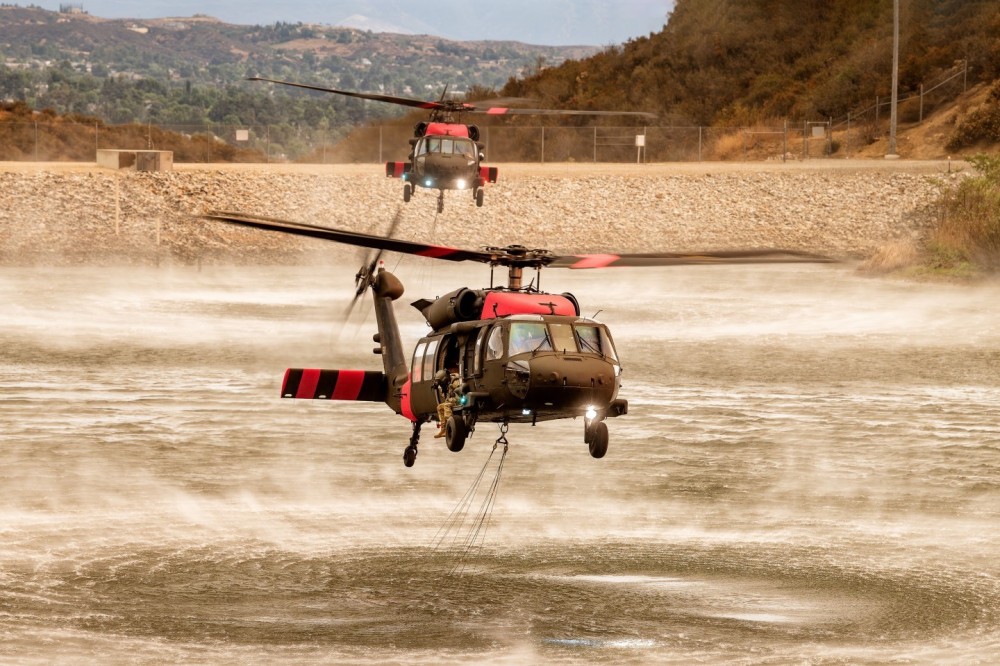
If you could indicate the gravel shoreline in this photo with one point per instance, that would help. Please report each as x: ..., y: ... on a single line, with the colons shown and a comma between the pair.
x: 73, y: 214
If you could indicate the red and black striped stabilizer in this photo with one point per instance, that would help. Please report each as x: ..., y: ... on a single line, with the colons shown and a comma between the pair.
x: 396, y: 169
x: 489, y: 174
x: 312, y: 384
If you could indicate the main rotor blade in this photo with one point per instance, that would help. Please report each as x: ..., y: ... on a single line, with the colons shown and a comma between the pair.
x: 688, y: 259
x: 352, y: 237
x: 457, y: 107
x: 510, y: 111
x: 404, y: 101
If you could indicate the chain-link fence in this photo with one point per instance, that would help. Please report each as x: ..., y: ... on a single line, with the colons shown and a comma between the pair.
x: 67, y: 141
x: 53, y: 139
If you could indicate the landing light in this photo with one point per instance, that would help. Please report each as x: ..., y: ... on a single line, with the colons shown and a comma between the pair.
x: 460, y: 183
x: 591, y: 413
x: 525, y: 412
x: 428, y: 182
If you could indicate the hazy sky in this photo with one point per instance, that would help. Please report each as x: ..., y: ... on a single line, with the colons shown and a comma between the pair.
x: 548, y: 22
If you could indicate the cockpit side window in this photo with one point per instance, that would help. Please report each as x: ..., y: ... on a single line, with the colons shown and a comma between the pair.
x: 494, y: 345
x: 607, y: 345
x: 528, y: 336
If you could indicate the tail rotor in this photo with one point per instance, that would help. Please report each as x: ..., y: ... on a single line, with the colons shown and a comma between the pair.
x: 365, y: 276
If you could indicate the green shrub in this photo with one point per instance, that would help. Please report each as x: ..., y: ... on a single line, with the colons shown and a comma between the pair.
x: 969, y: 231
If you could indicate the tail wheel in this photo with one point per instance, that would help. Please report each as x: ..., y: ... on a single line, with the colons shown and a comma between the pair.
x: 441, y: 202
x: 407, y: 192
x: 597, y: 439
x: 455, y: 433
x: 479, y: 198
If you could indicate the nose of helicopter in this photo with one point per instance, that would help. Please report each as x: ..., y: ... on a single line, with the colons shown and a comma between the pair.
x: 571, y: 381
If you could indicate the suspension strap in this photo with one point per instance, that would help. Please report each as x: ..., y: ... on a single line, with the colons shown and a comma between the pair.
x: 502, y: 439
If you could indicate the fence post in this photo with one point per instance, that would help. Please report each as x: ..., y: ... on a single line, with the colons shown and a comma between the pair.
x: 784, y: 141
x: 921, y: 103
x: 847, y: 143
x: 595, y: 143
x: 805, y: 140
x: 543, y: 144
x: 876, y: 113
x: 36, y: 140
x: 699, y: 142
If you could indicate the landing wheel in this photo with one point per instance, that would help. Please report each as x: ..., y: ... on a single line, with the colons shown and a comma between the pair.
x: 455, y: 433
x: 441, y: 202
x: 479, y: 197
x: 597, y: 439
x: 407, y: 192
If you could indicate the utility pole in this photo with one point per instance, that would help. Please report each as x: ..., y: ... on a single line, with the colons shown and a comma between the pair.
x: 891, y: 155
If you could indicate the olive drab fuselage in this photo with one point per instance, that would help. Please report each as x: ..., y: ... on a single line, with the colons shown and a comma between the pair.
x: 520, y: 368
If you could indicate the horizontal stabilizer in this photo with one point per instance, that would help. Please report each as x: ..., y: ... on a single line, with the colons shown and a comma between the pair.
x: 489, y: 174
x: 396, y: 169
x: 312, y: 384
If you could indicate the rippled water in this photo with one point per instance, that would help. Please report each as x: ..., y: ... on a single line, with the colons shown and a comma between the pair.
x: 809, y: 472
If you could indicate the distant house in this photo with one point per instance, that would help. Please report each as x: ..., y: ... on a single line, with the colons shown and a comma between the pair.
x: 70, y: 8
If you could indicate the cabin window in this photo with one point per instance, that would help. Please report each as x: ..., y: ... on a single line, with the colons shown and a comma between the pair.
x: 432, y: 346
x: 416, y: 367
x: 494, y: 346
x: 529, y: 337
x: 477, y: 362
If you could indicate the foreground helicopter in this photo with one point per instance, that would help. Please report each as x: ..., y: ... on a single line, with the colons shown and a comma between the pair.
x: 513, y: 354
x: 445, y: 153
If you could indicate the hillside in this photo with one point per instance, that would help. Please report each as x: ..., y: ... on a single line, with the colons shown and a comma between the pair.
x: 191, y: 70
x: 748, y: 62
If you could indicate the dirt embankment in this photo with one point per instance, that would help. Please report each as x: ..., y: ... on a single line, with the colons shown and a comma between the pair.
x: 72, y: 213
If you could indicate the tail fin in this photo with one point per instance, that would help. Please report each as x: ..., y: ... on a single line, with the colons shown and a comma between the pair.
x: 312, y: 384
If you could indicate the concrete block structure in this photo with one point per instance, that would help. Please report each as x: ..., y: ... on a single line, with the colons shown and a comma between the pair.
x: 137, y: 160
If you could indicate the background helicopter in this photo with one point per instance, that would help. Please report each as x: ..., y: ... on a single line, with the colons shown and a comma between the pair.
x: 445, y: 153
x: 520, y: 355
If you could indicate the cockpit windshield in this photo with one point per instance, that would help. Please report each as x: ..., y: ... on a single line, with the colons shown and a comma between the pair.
x: 447, y: 146
x: 533, y: 337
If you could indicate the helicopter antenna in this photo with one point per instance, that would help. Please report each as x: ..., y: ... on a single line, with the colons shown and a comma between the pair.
x: 597, y: 313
